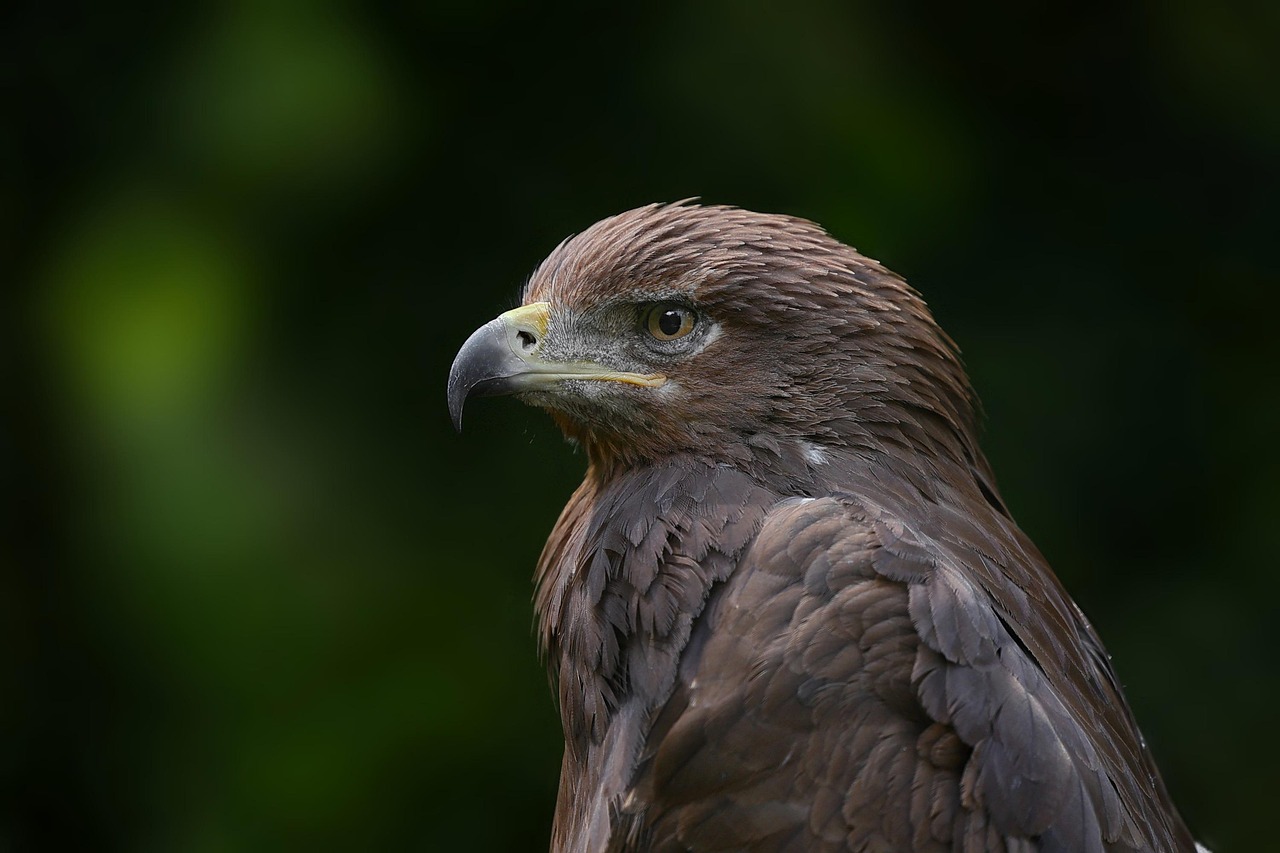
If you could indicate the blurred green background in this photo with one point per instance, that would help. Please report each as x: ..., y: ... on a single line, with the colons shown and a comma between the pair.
x: 259, y: 596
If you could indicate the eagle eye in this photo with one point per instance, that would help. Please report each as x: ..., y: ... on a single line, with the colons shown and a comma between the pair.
x: 668, y: 322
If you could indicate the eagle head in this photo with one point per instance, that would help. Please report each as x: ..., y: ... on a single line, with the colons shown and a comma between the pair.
x: 711, y: 330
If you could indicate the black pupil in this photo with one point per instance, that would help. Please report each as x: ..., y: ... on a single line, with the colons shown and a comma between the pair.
x: 670, y: 322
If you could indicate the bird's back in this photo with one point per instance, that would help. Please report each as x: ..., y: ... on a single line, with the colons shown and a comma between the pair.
x: 874, y: 671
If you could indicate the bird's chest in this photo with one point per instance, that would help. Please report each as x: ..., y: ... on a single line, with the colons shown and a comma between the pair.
x: 631, y: 574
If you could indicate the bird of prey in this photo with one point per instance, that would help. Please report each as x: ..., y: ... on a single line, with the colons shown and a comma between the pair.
x: 787, y: 608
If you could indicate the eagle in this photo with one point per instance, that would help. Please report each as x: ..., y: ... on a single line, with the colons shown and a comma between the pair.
x: 787, y: 608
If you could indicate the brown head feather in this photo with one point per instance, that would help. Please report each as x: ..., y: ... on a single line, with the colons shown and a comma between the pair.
x: 815, y: 341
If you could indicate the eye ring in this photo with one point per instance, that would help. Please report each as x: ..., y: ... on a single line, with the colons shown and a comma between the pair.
x: 667, y: 321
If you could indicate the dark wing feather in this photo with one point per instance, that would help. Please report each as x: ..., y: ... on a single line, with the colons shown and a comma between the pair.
x: 858, y: 686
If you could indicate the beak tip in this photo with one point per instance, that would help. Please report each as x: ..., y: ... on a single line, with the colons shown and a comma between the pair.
x: 480, y: 359
x: 457, y: 399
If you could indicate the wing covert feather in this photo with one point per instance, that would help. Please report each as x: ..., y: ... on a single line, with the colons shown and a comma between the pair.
x: 856, y: 686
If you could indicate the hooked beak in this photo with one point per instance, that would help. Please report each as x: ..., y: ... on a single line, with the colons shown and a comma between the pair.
x: 503, y: 357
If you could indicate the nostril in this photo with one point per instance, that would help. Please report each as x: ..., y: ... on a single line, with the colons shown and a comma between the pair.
x: 528, y: 342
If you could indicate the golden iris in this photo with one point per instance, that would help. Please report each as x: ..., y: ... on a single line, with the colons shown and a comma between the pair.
x: 668, y: 322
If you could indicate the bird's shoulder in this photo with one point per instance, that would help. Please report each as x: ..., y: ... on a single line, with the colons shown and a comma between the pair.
x: 876, y: 674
